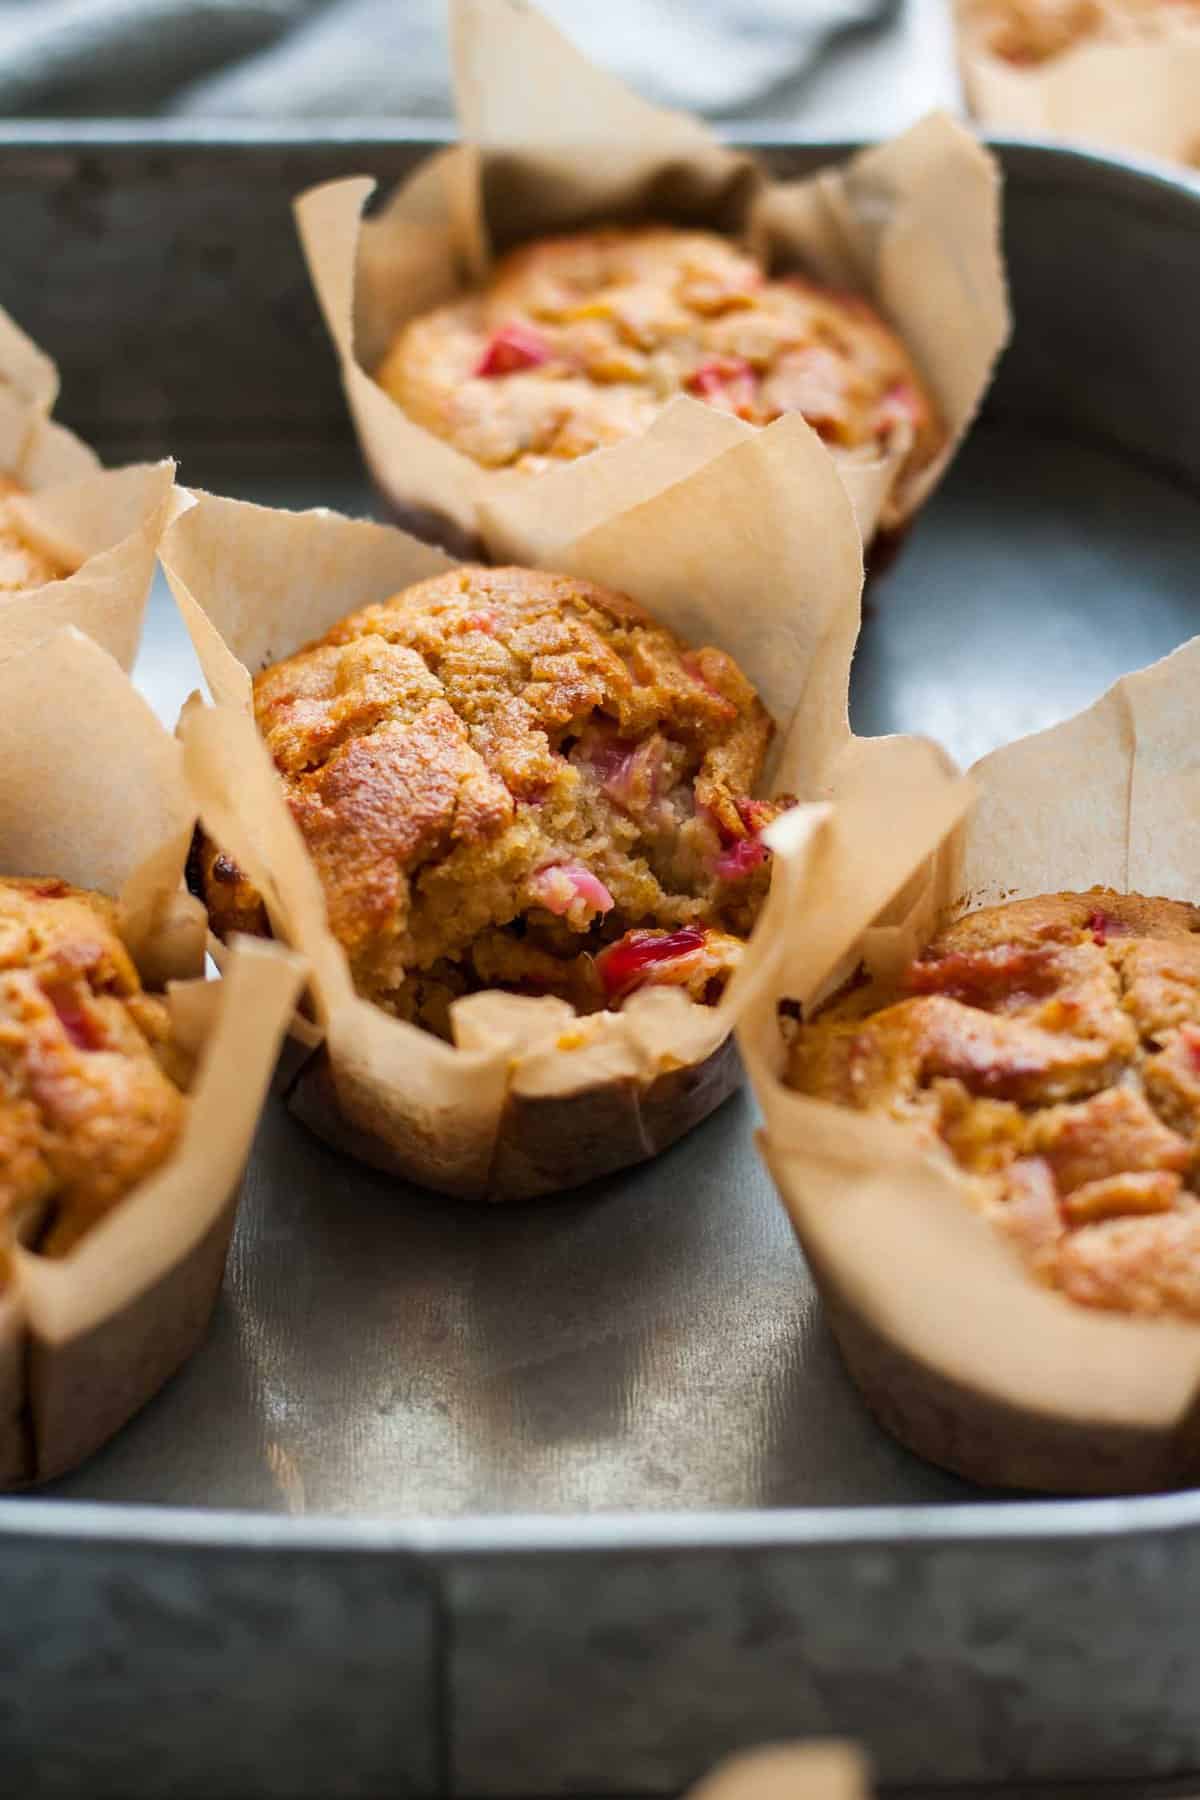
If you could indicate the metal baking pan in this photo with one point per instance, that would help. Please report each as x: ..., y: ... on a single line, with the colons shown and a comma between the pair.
x: 571, y: 1498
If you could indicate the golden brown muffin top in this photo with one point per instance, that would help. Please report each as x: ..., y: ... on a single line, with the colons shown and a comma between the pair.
x: 21, y: 565
x: 1029, y: 32
x: 1052, y: 1048
x: 499, y: 772
x: 86, y: 1109
x: 579, y: 341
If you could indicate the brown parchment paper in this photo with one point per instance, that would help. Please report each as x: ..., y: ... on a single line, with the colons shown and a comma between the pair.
x: 818, y: 1770
x: 757, y: 552
x: 101, y: 526
x: 104, y: 527
x: 94, y: 792
x: 27, y: 374
x: 549, y: 143
x: 1143, y: 97
x: 955, y: 1347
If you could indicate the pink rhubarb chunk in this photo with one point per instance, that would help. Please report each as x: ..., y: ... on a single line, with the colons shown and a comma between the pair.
x: 78, y: 1025
x: 1102, y: 926
x: 560, y: 887
x: 901, y: 405
x: 727, y: 381
x: 740, y: 859
x: 631, y: 774
x: 511, y: 348
x: 636, y: 958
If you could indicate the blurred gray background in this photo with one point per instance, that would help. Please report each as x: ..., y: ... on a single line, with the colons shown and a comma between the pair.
x: 828, y: 66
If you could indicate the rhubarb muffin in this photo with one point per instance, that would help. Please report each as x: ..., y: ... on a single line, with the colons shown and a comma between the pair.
x: 1051, y: 1049
x: 22, y: 564
x: 579, y: 341
x: 516, y: 780
x: 1027, y: 33
x: 89, y: 1101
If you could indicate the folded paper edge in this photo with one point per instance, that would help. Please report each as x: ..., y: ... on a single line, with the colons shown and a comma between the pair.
x: 637, y: 1038
x: 106, y: 593
x: 1071, y: 94
x: 462, y: 504
x: 949, y: 1296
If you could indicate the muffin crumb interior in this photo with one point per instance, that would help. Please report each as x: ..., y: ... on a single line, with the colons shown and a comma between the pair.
x: 90, y: 1099
x: 1051, y: 1048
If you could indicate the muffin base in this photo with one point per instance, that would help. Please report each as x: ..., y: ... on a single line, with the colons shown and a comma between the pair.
x: 988, y: 1441
x: 546, y: 1144
x: 82, y: 1392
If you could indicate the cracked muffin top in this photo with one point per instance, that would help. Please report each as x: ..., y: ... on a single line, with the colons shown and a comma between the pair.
x: 1051, y: 1047
x: 512, y: 779
x: 1029, y: 32
x: 87, y: 1106
x: 21, y: 564
x: 579, y: 341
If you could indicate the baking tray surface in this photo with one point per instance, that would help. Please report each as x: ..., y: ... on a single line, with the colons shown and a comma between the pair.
x: 501, y: 1463
x: 653, y: 1342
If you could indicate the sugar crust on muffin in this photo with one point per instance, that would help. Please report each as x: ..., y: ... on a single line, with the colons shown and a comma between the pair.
x: 1051, y: 1048
x: 89, y: 1096
x: 579, y: 341
x: 514, y: 779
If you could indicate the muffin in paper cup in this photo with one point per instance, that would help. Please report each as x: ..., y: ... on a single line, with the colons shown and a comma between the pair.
x: 95, y: 798
x: 1119, y: 84
x: 756, y: 553
x: 77, y: 542
x: 552, y: 144
x: 955, y: 1345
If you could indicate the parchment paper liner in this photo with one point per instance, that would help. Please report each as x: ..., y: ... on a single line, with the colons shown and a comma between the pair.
x: 959, y: 1352
x: 103, y: 526
x: 756, y: 552
x: 550, y: 143
x: 819, y: 1770
x: 94, y: 792
x: 1143, y: 97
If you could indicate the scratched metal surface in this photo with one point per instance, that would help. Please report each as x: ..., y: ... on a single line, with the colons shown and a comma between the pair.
x: 630, y: 1510
x: 654, y: 1343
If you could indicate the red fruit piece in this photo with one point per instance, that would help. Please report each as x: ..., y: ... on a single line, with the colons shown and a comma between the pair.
x: 740, y: 859
x: 980, y: 977
x: 630, y: 773
x: 1102, y: 926
x: 631, y: 961
x: 78, y: 1024
x: 559, y: 886
x: 754, y: 814
x: 511, y: 348
x: 727, y: 381
x: 479, y: 621
x: 901, y: 404
x: 606, y: 755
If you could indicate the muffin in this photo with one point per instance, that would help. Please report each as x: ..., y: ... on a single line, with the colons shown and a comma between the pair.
x: 1050, y: 1048
x: 579, y: 341
x: 1028, y: 33
x: 515, y: 780
x: 90, y: 1102
x: 22, y: 565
